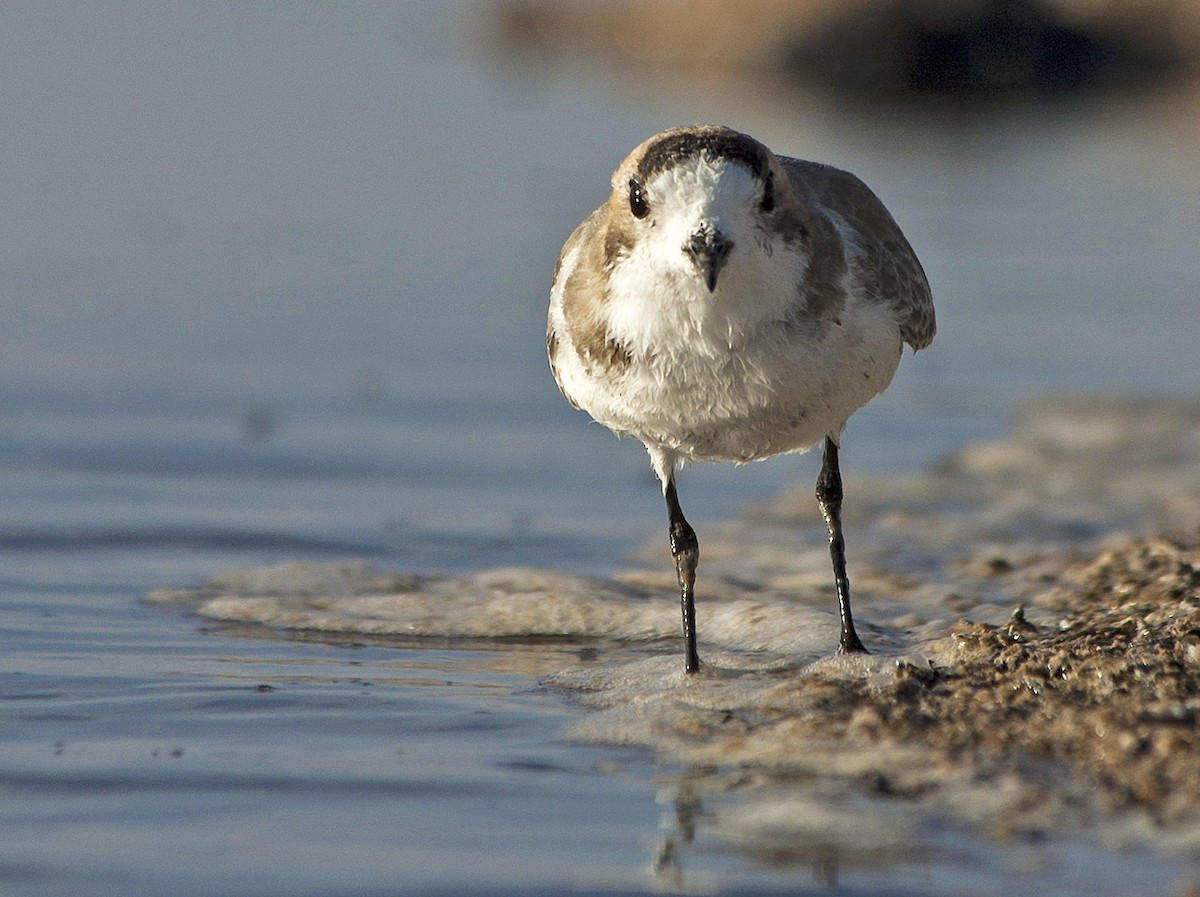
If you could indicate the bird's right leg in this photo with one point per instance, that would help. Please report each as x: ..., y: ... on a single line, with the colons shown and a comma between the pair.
x: 829, y: 497
x: 686, y: 550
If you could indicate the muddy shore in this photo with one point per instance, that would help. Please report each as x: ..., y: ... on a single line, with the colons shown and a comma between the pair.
x: 1032, y: 605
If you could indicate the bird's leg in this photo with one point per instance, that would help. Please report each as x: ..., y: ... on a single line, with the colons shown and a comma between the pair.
x: 686, y: 551
x: 829, y: 497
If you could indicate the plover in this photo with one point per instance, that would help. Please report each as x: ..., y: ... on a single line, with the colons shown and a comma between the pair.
x: 728, y: 304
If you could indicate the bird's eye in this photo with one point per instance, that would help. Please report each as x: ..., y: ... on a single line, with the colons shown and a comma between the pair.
x: 637, y: 199
x: 767, y: 203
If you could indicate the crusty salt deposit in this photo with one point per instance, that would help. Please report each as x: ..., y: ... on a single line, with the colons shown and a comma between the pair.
x: 510, y: 602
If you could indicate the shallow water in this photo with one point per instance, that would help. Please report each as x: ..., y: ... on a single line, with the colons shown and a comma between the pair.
x: 273, y: 289
x: 235, y: 767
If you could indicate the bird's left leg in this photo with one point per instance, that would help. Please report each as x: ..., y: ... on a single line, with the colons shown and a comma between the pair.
x: 685, y: 548
x: 829, y: 497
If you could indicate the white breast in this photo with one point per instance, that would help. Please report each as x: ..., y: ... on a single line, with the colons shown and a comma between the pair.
x: 726, y: 376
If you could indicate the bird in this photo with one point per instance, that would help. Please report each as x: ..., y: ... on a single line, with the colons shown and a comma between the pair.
x: 729, y: 304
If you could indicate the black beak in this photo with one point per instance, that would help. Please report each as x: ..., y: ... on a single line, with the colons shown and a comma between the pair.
x: 708, y: 249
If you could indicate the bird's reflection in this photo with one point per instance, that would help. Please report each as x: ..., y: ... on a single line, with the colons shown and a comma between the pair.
x: 687, y: 816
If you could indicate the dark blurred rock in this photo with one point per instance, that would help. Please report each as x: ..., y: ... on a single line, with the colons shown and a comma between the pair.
x: 993, y: 48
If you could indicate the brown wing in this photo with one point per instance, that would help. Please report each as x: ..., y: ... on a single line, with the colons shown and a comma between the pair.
x: 887, y: 264
x: 579, y: 235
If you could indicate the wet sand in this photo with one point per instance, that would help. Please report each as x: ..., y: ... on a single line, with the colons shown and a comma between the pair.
x: 1033, y: 608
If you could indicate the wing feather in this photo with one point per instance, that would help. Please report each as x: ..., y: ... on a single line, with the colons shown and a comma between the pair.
x: 886, y: 264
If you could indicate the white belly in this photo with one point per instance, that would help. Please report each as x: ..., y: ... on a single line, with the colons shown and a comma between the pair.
x: 781, y: 391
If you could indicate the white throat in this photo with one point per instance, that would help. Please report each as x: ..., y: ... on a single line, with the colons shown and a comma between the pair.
x: 656, y: 299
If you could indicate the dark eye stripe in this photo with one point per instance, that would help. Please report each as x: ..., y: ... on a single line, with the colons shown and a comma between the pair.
x: 767, y: 203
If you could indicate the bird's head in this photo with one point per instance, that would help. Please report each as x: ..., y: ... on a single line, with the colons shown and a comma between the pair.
x: 695, y: 204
